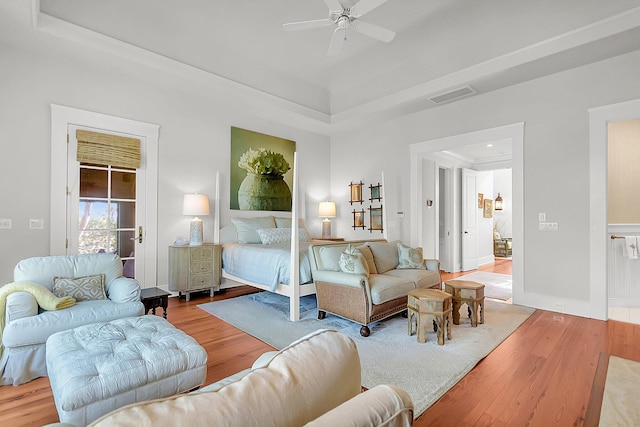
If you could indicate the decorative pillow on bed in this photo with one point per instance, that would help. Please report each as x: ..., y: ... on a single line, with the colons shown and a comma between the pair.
x: 352, y: 262
x: 87, y: 288
x: 270, y: 236
x: 410, y: 258
x: 246, y: 228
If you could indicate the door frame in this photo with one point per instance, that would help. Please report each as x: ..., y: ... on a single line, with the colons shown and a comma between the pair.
x: 515, y: 132
x: 61, y: 118
x: 599, y: 119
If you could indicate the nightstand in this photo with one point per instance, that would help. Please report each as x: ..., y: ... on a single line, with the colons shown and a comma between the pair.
x: 195, y: 268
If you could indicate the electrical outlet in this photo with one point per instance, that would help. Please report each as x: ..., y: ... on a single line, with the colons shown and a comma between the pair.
x: 5, y: 224
x: 36, y: 224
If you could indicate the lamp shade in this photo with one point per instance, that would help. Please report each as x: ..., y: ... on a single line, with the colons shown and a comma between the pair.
x: 195, y: 204
x: 327, y: 209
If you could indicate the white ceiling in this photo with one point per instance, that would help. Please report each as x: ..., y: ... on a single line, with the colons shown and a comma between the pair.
x: 439, y: 45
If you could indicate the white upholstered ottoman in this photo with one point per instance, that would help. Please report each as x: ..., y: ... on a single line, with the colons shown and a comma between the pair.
x: 96, y: 368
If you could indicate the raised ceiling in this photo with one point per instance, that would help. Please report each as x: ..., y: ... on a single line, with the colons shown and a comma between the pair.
x: 439, y: 45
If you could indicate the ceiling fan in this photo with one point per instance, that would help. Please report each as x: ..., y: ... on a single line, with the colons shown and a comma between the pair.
x: 346, y: 19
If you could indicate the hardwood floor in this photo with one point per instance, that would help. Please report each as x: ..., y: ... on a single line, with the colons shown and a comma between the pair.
x: 541, y: 375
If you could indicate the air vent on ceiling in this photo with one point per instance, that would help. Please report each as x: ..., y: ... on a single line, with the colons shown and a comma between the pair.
x: 452, y: 94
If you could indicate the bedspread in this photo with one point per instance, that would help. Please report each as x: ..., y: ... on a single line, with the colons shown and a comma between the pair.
x: 264, y: 264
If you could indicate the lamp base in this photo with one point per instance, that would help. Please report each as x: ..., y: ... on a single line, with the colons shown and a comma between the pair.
x: 195, y: 232
x: 326, y: 228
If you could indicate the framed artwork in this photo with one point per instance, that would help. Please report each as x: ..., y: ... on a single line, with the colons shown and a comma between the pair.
x: 375, y: 192
x: 356, y: 192
x: 261, y: 171
x: 375, y: 219
x: 480, y: 200
x: 488, y: 208
x: 358, y: 219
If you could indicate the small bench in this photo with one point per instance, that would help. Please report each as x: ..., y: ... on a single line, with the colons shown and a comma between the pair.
x: 96, y: 368
x: 424, y: 304
x: 471, y: 293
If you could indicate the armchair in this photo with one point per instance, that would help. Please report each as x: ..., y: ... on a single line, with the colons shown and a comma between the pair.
x: 501, y: 246
x: 27, y: 326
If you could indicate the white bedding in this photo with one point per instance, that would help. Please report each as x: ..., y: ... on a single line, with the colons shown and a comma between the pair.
x: 264, y: 264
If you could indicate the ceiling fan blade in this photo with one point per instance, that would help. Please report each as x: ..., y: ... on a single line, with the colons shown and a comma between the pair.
x: 364, y: 6
x: 336, y: 41
x: 372, y: 30
x: 305, y: 25
x: 333, y: 5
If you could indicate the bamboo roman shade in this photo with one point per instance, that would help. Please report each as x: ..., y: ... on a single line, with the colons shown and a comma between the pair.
x: 103, y: 149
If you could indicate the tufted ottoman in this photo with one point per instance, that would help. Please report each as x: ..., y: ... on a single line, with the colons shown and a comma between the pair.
x: 96, y: 368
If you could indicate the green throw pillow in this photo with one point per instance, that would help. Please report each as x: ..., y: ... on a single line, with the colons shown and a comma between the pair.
x: 352, y: 262
x: 410, y: 258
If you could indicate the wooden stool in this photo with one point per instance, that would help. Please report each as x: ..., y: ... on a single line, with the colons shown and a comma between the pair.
x: 423, y: 303
x: 471, y: 293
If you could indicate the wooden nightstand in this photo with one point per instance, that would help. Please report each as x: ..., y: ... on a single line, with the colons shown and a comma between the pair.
x: 195, y: 268
x: 153, y: 298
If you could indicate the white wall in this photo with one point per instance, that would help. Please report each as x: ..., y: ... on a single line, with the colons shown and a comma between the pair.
x: 194, y: 119
x: 485, y: 186
x: 556, y: 162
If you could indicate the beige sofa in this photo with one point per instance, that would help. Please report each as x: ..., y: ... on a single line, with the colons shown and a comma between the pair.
x: 376, y: 292
x: 315, y: 381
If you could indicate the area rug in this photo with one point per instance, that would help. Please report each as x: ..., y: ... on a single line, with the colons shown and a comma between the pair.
x: 496, y: 286
x: 620, y: 399
x: 389, y: 356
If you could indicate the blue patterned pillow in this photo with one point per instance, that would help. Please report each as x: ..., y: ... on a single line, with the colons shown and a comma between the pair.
x: 270, y: 236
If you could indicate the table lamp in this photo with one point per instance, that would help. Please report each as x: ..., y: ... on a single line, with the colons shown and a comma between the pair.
x: 195, y: 204
x: 326, y: 210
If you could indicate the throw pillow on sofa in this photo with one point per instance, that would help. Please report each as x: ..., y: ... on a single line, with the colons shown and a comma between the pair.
x: 410, y: 258
x: 352, y: 262
x: 385, y: 256
x: 87, y: 288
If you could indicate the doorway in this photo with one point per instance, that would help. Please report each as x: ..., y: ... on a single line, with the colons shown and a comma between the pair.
x: 426, y: 150
x: 66, y: 201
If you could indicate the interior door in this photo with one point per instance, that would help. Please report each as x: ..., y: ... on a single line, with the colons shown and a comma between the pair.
x: 469, y: 239
x: 106, y: 209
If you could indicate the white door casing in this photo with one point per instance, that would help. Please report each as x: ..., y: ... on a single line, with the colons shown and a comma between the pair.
x: 469, y: 220
x: 62, y: 118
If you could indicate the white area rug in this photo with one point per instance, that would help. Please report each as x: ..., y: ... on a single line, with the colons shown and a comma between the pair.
x: 497, y: 286
x: 389, y: 356
x: 621, y: 395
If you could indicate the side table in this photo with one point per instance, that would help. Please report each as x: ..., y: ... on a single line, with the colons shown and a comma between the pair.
x: 153, y: 298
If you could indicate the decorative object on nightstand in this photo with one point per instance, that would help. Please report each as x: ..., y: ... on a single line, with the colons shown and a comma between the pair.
x: 153, y: 298
x: 326, y: 210
x: 195, y: 204
x: 193, y: 269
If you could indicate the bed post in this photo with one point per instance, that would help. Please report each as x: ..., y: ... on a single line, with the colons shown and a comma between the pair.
x: 294, y: 270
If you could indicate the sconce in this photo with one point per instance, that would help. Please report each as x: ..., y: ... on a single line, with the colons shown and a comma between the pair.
x: 498, y: 203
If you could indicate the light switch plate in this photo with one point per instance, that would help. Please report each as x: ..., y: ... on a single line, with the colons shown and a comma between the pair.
x: 5, y: 224
x: 36, y: 224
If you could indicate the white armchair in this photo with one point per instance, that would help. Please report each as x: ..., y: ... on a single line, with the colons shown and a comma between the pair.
x: 27, y: 327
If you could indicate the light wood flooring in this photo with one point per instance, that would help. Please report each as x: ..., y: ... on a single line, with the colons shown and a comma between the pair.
x: 542, y: 375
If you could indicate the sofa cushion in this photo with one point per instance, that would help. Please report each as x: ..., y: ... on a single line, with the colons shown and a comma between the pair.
x: 43, y: 269
x: 329, y: 257
x: 368, y: 257
x: 385, y: 287
x: 410, y: 257
x: 421, y: 278
x: 246, y: 228
x: 36, y: 329
x: 87, y: 288
x: 385, y: 256
x: 352, y: 262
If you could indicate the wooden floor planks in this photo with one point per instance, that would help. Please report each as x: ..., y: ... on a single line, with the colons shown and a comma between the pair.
x: 542, y: 375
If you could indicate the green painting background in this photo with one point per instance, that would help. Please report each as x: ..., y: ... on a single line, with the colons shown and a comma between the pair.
x: 241, y: 141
